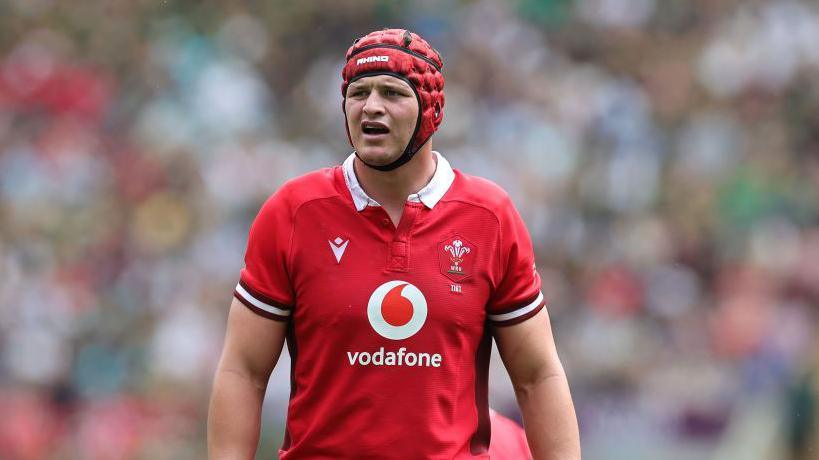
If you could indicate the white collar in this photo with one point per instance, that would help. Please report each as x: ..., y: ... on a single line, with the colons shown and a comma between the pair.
x: 430, y: 195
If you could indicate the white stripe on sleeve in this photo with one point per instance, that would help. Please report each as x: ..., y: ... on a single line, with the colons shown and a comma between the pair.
x: 519, y: 312
x: 259, y: 304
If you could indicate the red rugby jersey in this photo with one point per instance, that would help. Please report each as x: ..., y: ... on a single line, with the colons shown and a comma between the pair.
x: 387, y: 327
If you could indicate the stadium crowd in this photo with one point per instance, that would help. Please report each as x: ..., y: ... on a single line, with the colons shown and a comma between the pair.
x: 664, y: 154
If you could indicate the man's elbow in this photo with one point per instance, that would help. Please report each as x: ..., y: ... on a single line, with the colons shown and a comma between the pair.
x: 531, y: 382
x: 233, y: 373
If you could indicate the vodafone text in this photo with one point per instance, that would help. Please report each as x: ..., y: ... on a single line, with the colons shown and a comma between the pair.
x: 402, y: 357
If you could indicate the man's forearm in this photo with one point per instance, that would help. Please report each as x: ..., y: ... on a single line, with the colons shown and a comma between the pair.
x: 550, y: 419
x: 234, y: 418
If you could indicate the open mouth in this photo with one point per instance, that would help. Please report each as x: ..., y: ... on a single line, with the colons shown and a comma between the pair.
x: 374, y: 128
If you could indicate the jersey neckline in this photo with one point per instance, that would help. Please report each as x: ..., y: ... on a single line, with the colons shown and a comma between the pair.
x: 429, y: 195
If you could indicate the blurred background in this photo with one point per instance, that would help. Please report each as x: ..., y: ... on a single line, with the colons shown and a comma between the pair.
x: 664, y: 153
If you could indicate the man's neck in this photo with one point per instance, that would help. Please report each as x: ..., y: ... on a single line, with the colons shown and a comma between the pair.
x: 391, y: 188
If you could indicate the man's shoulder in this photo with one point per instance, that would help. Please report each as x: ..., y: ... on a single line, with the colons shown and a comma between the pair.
x: 308, y: 187
x: 479, y: 191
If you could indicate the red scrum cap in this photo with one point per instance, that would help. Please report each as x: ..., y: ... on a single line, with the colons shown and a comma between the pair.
x: 407, y: 56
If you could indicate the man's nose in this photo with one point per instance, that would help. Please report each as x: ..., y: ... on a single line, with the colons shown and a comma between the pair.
x: 374, y: 103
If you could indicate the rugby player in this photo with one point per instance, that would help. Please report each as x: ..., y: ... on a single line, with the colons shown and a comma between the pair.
x: 389, y: 276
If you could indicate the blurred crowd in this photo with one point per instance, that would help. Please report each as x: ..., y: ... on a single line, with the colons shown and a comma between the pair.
x: 664, y: 154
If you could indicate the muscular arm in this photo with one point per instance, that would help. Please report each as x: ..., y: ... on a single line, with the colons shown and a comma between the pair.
x: 529, y: 354
x: 251, y: 350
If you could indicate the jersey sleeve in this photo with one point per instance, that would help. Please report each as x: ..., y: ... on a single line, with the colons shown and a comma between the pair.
x: 518, y: 296
x: 264, y: 285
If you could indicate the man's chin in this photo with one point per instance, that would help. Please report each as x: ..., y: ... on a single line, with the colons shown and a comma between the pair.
x: 377, y: 157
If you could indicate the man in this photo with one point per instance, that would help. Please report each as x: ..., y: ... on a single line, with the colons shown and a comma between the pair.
x: 389, y: 276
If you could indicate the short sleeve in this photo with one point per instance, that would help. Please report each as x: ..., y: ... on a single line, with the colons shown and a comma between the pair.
x: 264, y: 285
x: 518, y: 296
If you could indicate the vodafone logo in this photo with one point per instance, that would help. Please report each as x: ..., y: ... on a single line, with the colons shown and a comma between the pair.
x: 397, y: 310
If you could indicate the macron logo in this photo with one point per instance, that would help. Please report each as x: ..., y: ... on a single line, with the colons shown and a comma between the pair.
x: 338, y: 246
x: 372, y: 59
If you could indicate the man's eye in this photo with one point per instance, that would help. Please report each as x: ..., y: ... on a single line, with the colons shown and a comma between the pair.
x: 392, y: 93
x: 358, y: 93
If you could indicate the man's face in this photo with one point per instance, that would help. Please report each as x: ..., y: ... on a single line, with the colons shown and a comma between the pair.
x: 382, y: 112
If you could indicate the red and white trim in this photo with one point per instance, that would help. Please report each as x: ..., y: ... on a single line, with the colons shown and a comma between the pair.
x: 260, y: 304
x: 518, y: 314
